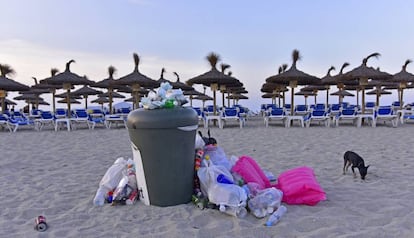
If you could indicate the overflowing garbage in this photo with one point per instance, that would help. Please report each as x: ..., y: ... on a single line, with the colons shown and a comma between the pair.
x: 235, y: 186
x: 238, y: 186
x: 164, y: 97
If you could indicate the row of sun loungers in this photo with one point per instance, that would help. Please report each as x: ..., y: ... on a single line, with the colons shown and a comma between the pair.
x: 60, y: 119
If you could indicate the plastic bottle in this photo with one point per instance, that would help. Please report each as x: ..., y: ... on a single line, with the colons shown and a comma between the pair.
x: 276, y: 216
x: 221, y: 178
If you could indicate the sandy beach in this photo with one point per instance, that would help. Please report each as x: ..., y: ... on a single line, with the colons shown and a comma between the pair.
x: 56, y: 174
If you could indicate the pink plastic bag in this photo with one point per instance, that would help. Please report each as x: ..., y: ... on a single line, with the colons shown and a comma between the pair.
x: 250, y: 171
x: 299, y: 186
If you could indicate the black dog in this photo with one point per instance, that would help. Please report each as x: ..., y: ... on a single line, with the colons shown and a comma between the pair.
x: 352, y: 158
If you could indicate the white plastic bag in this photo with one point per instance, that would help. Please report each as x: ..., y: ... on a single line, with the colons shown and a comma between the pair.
x: 227, y: 195
x: 217, y: 156
x: 208, y: 175
x: 110, y: 180
x: 224, y: 195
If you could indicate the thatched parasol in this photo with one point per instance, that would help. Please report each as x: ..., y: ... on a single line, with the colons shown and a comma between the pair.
x: 276, y: 89
x: 378, y: 92
x: 7, y: 84
x: 111, y: 84
x: 65, y: 95
x: 71, y: 101
x: 236, y: 97
x: 328, y: 80
x: 342, y: 93
x: 114, y: 95
x: 293, y: 77
x: 30, y: 98
x: 67, y: 79
x: 306, y: 94
x: 137, y: 80
x: 101, y: 101
x: 363, y: 73
x: 272, y: 96
x: 162, y: 79
x: 52, y: 88
x: 402, y: 78
x: 213, y: 78
x: 85, y: 91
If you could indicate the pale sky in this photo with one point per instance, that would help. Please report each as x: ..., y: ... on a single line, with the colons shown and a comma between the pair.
x: 254, y: 37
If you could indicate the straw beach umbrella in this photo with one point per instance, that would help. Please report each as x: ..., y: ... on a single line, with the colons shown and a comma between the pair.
x: 50, y: 87
x: 293, y: 77
x: 137, y: 80
x: 328, y: 80
x: 403, y: 78
x: 7, y: 84
x: 342, y: 93
x: 363, y: 73
x: 212, y: 78
x: 71, y: 101
x: 306, y: 94
x: 67, y: 79
x: 101, y: 101
x: 85, y: 91
x: 111, y: 84
x: 113, y: 94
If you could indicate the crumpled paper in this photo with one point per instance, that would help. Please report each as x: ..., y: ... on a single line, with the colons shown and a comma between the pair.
x: 164, y: 97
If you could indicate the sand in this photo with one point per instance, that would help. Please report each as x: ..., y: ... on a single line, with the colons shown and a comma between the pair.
x: 56, y: 174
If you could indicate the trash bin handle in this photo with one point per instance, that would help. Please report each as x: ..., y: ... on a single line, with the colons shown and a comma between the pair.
x: 188, y: 128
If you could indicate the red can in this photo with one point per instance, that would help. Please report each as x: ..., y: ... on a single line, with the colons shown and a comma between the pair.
x: 40, y: 223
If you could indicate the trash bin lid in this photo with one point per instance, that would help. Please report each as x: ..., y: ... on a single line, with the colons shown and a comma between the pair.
x: 162, y: 118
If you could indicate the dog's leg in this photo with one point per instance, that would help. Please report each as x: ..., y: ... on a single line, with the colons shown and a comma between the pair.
x: 353, y: 171
x: 345, y: 166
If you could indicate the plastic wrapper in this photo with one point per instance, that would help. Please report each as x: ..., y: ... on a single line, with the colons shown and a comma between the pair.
x: 265, y: 202
x: 164, y: 97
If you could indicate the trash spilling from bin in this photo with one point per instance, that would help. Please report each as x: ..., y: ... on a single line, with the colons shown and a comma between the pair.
x: 199, y: 170
x: 164, y: 97
x: 119, y: 184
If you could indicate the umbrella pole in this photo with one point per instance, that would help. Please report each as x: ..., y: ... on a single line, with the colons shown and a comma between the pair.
x: 54, y: 101
x: 291, y: 101
x: 377, y: 99
x: 283, y: 99
x: 3, y: 105
x: 401, y: 100
x: 222, y: 94
x: 228, y: 99
x: 86, y: 102
x: 315, y: 100
x: 357, y: 97
x: 68, y: 101
x: 110, y: 100
x: 327, y: 99
x: 363, y: 99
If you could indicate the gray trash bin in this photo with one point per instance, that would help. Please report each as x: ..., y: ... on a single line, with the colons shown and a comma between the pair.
x: 163, y: 143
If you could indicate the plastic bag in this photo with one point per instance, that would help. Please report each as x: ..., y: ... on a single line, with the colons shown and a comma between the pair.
x: 265, y: 202
x: 299, y: 186
x: 114, y: 174
x: 110, y: 180
x: 217, y: 156
x: 223, y: 194
x: 208, y: 175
